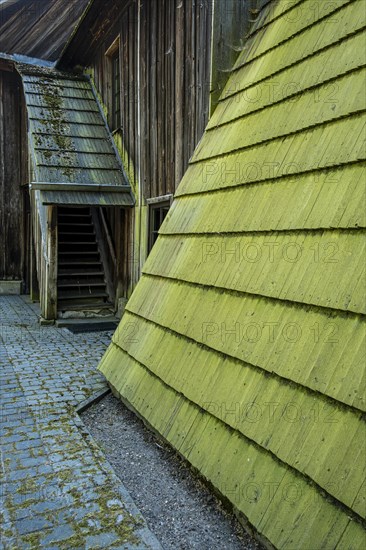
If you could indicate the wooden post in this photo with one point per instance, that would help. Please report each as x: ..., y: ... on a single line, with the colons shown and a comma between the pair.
x: 33, y: 283
x: 50, y: 282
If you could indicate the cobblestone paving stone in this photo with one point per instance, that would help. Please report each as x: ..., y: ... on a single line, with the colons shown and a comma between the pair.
x: 57, y: 491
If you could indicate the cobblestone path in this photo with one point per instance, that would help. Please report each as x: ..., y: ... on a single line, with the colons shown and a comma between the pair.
x: 57, y: 491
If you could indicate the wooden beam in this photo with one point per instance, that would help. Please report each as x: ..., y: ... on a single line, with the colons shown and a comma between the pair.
x: 162, y: 198
x: 34, y: 287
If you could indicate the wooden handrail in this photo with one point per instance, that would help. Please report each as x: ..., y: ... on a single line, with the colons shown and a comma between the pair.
x: 109, y: 239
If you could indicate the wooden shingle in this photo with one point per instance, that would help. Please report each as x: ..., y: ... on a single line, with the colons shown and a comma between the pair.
x: 244, y: 342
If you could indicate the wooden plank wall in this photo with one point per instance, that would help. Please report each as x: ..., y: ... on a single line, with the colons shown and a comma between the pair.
x: 232, y: 22
x: 173, y: 69
x: 13, y: 168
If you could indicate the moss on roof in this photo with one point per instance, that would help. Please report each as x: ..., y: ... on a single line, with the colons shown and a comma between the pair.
x: 244, y: 342
x: 70, y: 141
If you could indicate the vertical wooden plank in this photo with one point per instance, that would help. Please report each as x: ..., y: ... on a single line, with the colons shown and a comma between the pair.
x: 193, y: 86
x: 144, y: 99
x: 179, y: 92
x: 27, y: 247
x: 118, y: 232
x: 160, y: 96
x: 153, y: 99
x: 188, y: 82
x: 163, y: 98
x: 203, y: 56
x: 170, y: 188
x: 130, y: 129
x: 136, y: 97
x: 33, y: 283
x: 12, y: 159
x: 124, y: 82
x: 50, y: 275
x: 2, y: 176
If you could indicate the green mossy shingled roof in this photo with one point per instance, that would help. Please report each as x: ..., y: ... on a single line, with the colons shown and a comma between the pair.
x: 244, y: 342
x: 69, y: 139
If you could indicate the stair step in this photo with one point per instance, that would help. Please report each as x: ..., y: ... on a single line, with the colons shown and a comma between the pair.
x: 67, y: 234
x: 61, y: 284
x: 76, y: 208
x: 74, y: 219
x: 77, y: 243
x: 71, y: 242
x: 78, y: 252
x: 74, y: 229
x: 62, y: 273
x: 66, y: 306
x: 81, y: 300
x: 83, y: 219
x: 74, y: 224
x: 78, y: 295
x: 71, y: 273
x: 73, y: 263
x: 81, y: 279
x: 72, y: 277
x: 98, y: 324
x: 83, y: 214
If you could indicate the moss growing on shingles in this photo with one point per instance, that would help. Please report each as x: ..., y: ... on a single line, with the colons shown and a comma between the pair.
x: 47, y: 154
x: 55, y: 123
x: 38, y: 140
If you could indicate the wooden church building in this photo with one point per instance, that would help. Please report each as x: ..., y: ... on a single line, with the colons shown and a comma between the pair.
x: 95, y: 138
x: 227, y: 138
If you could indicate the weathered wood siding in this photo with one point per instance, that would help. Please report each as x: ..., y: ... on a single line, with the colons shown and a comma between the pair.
x: 175, y: 88
x: 166, y: 75
x: 13, y: 165
x: 232, y: 22
x: 165, y: 65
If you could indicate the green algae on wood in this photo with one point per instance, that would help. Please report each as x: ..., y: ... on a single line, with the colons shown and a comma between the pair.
x: 268, y: 175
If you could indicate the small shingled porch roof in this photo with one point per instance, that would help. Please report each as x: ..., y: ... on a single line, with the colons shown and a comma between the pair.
x: 74, y: 158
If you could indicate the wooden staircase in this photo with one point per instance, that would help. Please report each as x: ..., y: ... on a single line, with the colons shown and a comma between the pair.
x: 81, y: 281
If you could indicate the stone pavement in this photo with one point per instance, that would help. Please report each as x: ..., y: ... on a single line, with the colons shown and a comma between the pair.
x: 57, y: 491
